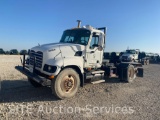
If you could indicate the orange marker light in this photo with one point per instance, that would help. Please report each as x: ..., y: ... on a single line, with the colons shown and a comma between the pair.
x: 51, y: 77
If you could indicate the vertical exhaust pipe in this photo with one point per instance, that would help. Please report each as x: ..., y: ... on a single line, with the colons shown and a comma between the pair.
x: 79, y: 23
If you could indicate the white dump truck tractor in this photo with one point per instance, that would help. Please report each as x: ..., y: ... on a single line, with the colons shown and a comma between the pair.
x: 74, y: 61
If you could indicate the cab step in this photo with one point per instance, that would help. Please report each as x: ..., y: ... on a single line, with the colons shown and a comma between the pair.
x: 99, y: 81
x: 97, y: 72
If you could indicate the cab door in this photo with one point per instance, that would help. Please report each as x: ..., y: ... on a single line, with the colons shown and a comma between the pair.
x: 94, y: 54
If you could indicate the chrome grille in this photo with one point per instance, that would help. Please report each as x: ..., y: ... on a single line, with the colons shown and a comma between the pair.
x: 38, y: 56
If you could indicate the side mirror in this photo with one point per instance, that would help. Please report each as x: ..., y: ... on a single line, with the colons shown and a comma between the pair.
x: 101, y: 42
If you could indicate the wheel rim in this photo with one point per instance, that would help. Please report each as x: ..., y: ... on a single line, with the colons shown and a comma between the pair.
x: 68, y: 83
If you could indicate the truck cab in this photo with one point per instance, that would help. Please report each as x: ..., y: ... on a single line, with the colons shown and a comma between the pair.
x: 78, y: 47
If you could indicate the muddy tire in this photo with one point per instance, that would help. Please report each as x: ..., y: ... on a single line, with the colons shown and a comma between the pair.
x: 66, y: 84
x: 130, y: 74
x: 33, y: 83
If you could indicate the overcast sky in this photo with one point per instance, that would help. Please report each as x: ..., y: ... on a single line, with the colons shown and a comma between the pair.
x: 130, y: 23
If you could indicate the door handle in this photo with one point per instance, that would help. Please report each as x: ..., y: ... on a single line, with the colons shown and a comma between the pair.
x: 92, y: 52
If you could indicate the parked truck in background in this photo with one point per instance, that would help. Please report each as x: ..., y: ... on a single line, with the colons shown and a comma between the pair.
x: 130, y: 55
x: 14, y: 52
x: 134, y: 55
x: 153, y: 57
x: 75, y: 60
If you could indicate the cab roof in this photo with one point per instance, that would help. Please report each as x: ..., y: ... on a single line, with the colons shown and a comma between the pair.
x: 88, y: 27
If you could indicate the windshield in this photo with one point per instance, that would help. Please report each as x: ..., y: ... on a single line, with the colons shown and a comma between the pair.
x: 79, y: 36
x: 131, y: 51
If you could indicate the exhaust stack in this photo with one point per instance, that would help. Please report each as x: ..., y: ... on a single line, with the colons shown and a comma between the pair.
x: 79, y: 23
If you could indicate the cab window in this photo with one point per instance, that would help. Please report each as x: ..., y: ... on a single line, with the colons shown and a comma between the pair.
x: 94, y: 41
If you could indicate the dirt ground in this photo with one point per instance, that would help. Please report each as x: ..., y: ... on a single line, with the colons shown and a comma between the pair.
x: 113, y: 100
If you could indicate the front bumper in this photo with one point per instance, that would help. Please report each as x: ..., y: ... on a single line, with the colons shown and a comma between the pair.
x: 44, y: 81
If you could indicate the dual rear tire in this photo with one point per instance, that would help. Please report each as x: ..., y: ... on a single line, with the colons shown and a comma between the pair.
x: 130, y: 73
x: 127, y: 73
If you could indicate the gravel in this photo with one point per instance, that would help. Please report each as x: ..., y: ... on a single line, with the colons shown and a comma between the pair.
x: 111, y: 100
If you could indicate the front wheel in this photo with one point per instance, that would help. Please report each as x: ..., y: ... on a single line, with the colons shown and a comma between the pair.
x: 66, y: 84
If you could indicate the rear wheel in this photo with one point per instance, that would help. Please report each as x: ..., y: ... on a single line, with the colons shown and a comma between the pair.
x: 33, y: 83
x: 127, y: 73
x: 130, y: 74
x: 66, y: 84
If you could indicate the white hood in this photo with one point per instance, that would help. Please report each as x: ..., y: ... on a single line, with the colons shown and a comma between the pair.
x: 66, y: 49
x: 61, y: 54
x: 52, y: 46
x: 45, y: 47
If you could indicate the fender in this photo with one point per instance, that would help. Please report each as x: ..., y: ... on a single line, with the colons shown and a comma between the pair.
x: 54, y: 62
x: 74, y: 61
x: 61, y: 63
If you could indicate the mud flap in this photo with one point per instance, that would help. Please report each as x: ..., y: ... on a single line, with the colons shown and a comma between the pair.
x: 82, y: 78
x: 140, y: 72
x: 122, y: 73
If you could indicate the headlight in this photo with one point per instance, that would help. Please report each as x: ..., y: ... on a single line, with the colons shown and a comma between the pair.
x: 49, y: 68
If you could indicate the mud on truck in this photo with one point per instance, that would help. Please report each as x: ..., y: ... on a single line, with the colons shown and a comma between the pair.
x: 74, y: 61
